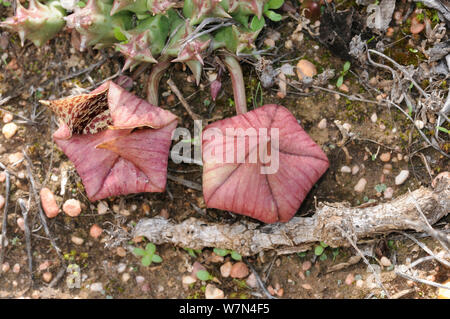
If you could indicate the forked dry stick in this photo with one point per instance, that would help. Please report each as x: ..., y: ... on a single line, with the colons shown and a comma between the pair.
x: 301, y: 233
x: 24, y: 209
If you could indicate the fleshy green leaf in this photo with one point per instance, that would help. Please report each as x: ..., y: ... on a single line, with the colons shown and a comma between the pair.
x: 323, y: 244
x: 221, y: 252
x: 272, y: 15
x: 346, y: 66
x: 340, y: 81
x: 156, y: 259
x: 203, y: 275
x: 150, y: 248
x: 236, y: 256
x: 139, y: 252
x: 257, y: 24
x: 146, y: 260
x: 318, y: 250
x: 275, y: 4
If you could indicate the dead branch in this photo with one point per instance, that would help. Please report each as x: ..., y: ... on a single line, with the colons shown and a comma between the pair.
x: 5, y: 215
x: 301, y: 233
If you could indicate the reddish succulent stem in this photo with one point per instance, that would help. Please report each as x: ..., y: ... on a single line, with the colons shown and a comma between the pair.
x: 237, y: 79
x: 154, y: 78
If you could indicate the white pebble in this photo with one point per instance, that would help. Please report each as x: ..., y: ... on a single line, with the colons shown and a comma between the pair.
x: 374, y: 118
x: 97, y: 287
x: 212, y: 292
x: 401, y: 177
x: 355, y: 169
x: 102, y: 208
x: 9, y: 130
x: 361, y: 185
x: 16, y: 268
x: 140, y: 280
x: 121, y: 268
x: 322, y: 124
x: 188, y: 280
x: 77, y: 240
x: 420, y: 124
x: 6, y: 267
x: 8, y: 117
x: 388, y: 193
x: 125, y: 277
x: 347, y: 127
x: 385, y: 262
x: 225, y: 269
x: 346, y: 169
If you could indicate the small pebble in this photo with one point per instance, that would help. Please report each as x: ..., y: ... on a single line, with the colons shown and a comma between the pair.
x: 102, y: 208
x: 361, y: 185
x: 346, y: 169
x: 125, y: 277
x: 349, y: 279
x: 2, y: 177
x: 388, y: 193
x: 16, y: 268
x: 322, y: 124
x: 251, y: 281
x: 72, y: 207
x: 359, y: 283
x: 43, y: 266
x: 307, y: 286
x: 225, y: 269
x: 121, y: 252
x: 2, y: 201
x: 48, y: 202
x: 95, y: 231
x: 212, y: 292
x: 385, y: 157
x: 121, y: 267
x: 6, y: 267
x: 9, y: 130
x: 96, y: 287
x: 306, y: 265
x: 355, y: 169
x: 344, y: 88
x: 140, y: 280
x: 239, y: 270
x: 15, y: 157
x: 20, y: 223
x: 401, y: 177
x: 47, y: 276
x: 77, y: 240
x: 8, y: 117
x: 385, y: 262
x: 374, y: 117
x: 188, y: 280
x: 387, y: 169
x: 305, y: 68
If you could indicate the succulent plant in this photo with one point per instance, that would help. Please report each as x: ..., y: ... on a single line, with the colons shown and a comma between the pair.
x: 39, y: 23
x: 145, y: 41
x: 95, y: 24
